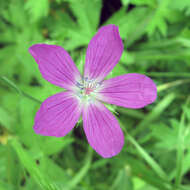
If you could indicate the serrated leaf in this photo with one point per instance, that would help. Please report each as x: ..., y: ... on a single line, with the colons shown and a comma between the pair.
x: 158, y: 20
x: 37, y: 9
x: 15, y: 14
x: 167, y: 136
x: 87, y: 19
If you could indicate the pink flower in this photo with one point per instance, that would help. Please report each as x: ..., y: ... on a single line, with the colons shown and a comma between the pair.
x: 58, y: 114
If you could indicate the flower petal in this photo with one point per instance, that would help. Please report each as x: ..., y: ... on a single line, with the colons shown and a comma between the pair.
x: 102, y: 130
x: 57, y: 115
x: 55, y: 65
x: 130, y: 90
x: 103, y: 52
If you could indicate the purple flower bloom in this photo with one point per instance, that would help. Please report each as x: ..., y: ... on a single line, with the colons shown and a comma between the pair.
x: 58, y: 114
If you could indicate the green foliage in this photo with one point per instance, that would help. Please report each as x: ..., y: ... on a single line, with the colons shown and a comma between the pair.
x: 181, y: 6
x: 87, y: 19
x: 37, y: 9
x: 156, y: 154
x: 151, y: 3
x: 158, y: 18
x: 132, y: 25
x: 123, y: 180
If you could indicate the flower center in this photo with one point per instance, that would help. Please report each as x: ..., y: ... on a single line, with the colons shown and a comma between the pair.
x: 87, y: 87
x: 88, y: 91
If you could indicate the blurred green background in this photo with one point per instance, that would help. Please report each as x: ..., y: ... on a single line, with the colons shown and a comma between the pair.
x: 156, y: 154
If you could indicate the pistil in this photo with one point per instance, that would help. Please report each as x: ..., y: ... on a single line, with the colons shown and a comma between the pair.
x: 86, y: 88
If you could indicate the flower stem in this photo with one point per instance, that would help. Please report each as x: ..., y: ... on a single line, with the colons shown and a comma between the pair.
x: 20, y: 92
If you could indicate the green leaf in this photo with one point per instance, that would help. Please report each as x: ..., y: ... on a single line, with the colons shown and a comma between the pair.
x: 15, y: 14
x: 155, y: 55
x: 87, y: 19
x: 155, y: 113
x: 14, y: 86
x: 14, y: 171
x: 132, y: 25
x: 172, y: 84
x: 125, y: 2
x: 181, y: 6
x: 53, y: 145
x: 185, y: 168
x: 78, y: 38
x: 119, y: 69
x: 82, y: 172
x: 51, y: 169
x: 41, y: 179
x: 37, y: 9
x: 166, y: 135
x: 140, y: 169
x: 80, y: 33
x: 5, y: 118
x: 123, y: 180
x: 181, y: 148
x: 6, y: 186
x: 153, y: 164
x: 151, y: 3
x: 158, y: 18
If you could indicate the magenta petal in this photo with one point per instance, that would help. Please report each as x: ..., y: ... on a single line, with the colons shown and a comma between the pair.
x: 57, y: 115
x: 55, y: 65
x: 103, y: 52
x: 102, y: 130
x: 130, y: 90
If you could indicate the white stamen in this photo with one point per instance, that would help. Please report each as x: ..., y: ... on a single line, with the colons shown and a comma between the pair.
x: 86, y: 88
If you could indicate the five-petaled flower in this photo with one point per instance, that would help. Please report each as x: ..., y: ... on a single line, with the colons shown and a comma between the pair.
x: 85, y: 95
